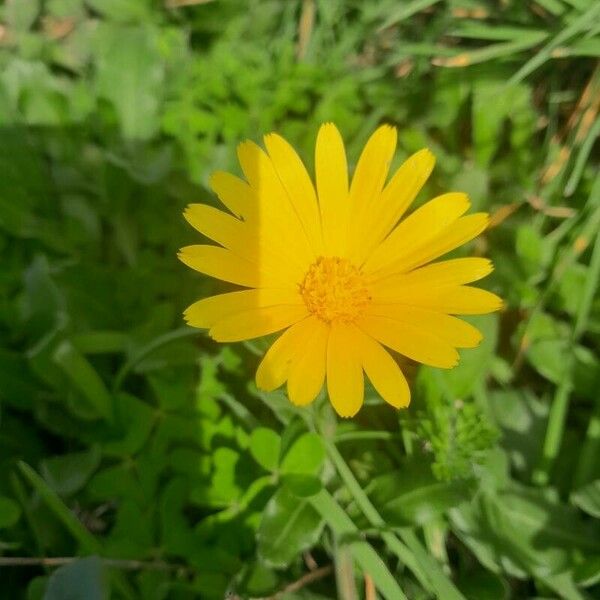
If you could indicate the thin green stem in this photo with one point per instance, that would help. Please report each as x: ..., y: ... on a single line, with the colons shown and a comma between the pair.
x: 410, y: 550
x: 364, y: 555
x: 554, y: 432
x: 344, y: 572
x: 590, y: 451
x: 560, y: 404
x: 353, y: 436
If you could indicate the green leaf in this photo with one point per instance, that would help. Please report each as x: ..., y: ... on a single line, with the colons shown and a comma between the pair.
x: 587, y: 573
x: 495, y: 104
x: 10, y: 512
x: 533, y: 250
x: 82, y: 579
x: 523, y: 530
x: 301, y: 465
x: 548, y: 347
x: 522, y: 418
x: 86, y: 540
x: 289, y: 526
x: 305, y: 456
x: 474, y: 363
x: 121, y: 10
x: 588, y: 498
x: 132, y: 425
x: 130, y: 75
x: 364, y: 554
x: 21, y: 14
x: 265, y: 446
x: 412, y: 496
x: 68, y: 473
x: 85, y: 378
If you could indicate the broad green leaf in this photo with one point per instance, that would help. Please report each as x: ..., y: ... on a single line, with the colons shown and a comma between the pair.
x: 21, y: 14
x: 133, y: 534
x: 548, y: 346
x: 289, y: 525
x: 588, y: 498
x: 68, y: 473
x: 301, y: 465
x: 305, y: 456
x: 533, y: 250
x: 85, y: 378
x: 475, y: 363
x: 121, y: 10
x: 265, y: 446
x: 130, y: 75
x: 473, y: 181
x: 495, y: 104
x: 132, y: 425
x: 523, y: 531
x: 83, y: 579
x: 260, y: 580
x: 587, y: 573
x: 412, y: 496
x: 522, y: 418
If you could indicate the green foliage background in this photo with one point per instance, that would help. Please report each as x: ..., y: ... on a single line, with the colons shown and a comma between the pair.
x: 139, y: 444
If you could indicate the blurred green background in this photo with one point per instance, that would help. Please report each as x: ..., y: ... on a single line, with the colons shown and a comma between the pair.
x: 143, y: 448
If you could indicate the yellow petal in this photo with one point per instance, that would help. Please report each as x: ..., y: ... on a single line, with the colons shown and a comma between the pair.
x: 243, y: 240
x: 332, y: 188
x: 393, y: 202
x: 345, y: 383
x: 451, y: 330
x: 217, y: 225
x: 276, y: 215
x: 418, y: 229
x: 369, y: 177
x: 223, y: 264
x: 301, y: 192
x: 456, y: 300
x: 307, y: 369
x: 234, y: 193
x: 206, y: 312
x: 256, y: 322
x: 410, y: 341
x: 274, y: 367
x: 445, y: 273
x: 457, y: 234
x: 383, y: 371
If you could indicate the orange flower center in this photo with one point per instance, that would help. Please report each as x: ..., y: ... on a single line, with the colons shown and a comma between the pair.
x: 335, y: 290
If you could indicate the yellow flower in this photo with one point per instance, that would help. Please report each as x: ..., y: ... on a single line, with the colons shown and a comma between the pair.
x: 337, y: 268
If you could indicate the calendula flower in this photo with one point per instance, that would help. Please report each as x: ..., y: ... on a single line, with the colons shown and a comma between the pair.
x: 338, y: 268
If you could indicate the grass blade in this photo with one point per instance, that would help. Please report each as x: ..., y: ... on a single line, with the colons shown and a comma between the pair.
x: 579, y: 25
x: 407, y: 10
x: 410, y: 551
x: 464, y: 59
x: 85, y: 539
x: 368, y: 560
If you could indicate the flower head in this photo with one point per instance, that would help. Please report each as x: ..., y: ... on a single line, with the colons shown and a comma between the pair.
x: 337, y: 267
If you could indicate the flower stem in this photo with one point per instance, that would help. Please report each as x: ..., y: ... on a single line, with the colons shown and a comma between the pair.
x: 364, y: 555
x: 410, y: 550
